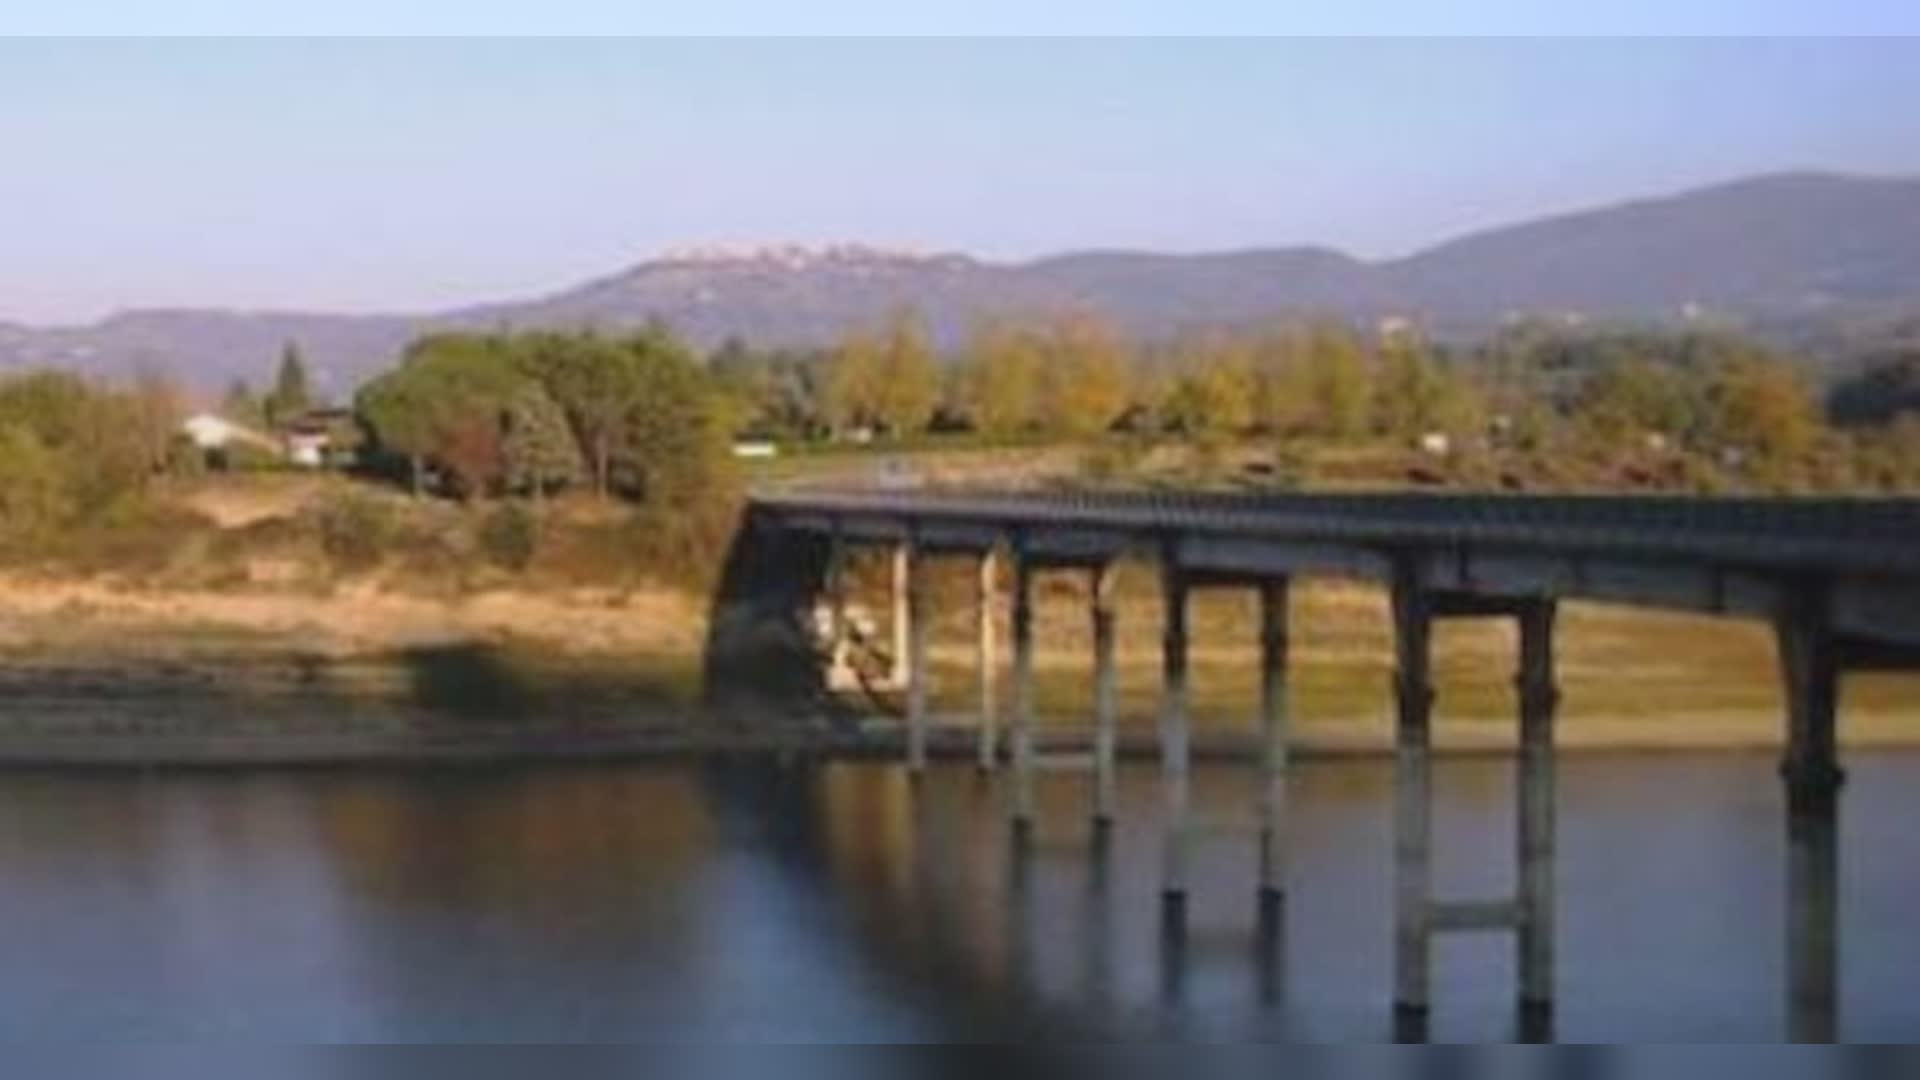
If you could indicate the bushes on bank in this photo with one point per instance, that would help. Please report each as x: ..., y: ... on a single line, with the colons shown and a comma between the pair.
x: 354, y: 531
x: 508, y: 536
x: 72, y: 450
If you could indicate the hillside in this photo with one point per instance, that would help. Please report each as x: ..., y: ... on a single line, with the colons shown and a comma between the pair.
x: 1803, y: 257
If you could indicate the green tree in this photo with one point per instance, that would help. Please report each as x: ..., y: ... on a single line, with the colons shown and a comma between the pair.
x: 595, y: 383
x: 1340, y: 384
x: 156, y: 406
x: 851, y: 394
x: 398, y: 408
x: 242, y: 406
x: 1415, y: 395
x: 1212, y: 392
x: 35, y: 499
x: 56, y: 406
x: 99, y: 434
x: 445, y: 404
x: 676, y: 427
x: 1762, y: 407
x: 1084, y: 383
x: 1635, y: 396
x: 539, y: 449
x: 103, y: 445
x: 997, y: 383
x: 907, y: 384
x: 1279, y: 382
x: 471, y: 450
x: 292, y: 392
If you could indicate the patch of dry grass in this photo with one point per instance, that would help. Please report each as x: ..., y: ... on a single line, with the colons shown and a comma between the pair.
x: 1629, y: 677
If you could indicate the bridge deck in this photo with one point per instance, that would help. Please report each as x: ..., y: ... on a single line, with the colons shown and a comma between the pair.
x: 1732, y: 555
x: 1835, y: 534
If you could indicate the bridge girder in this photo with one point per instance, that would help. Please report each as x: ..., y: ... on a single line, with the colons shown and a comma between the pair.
x: 1868, y: 605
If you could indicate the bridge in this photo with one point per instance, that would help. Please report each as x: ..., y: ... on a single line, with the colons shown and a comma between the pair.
x: 1837, y: 579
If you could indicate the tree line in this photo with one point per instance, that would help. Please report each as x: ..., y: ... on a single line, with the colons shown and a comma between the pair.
x: 1077, y: 375
x: 641, y: 416
x: 73, y: 450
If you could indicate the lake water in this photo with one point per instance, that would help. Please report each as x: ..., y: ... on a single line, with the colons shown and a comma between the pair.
x: 753, y: 901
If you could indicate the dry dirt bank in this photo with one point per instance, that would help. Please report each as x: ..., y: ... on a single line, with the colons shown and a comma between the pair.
x: 96, y: 668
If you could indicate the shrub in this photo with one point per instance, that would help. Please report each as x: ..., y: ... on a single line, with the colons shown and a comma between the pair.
x: 684, y: 545
x: 1112, y: 460
x: 354, y: 530
x: 509, y: 536
x: 33, y: 495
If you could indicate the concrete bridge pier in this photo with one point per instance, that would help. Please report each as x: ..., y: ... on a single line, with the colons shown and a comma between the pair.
x: 840, y: 671
x: 1175, y: 739
x: 987, y: 670
x: 1529, y: 913
x: 1105, y: 690
x: 1539, y: 698
x: 1022, y: 732
x: 1810, y: 664
x: 900, y: 565
x: 1273, y: 751
x: 1102, y: 758
x: 912, y: 602
x: 1412, y: 791
x: 1270, y: 819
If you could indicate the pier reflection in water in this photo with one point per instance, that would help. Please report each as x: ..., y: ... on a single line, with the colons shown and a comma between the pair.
x: 1680, y: 886
x: 758, y: 901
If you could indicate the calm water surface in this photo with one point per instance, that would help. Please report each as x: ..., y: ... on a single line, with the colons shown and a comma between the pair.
x: 751, y: 901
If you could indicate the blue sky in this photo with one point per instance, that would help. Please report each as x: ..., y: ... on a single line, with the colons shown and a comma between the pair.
x: 397, y: 174
x: 1151, y: 17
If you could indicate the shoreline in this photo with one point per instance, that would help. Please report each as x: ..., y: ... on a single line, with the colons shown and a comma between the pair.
x: 140, y: 675
x: 533, y: 746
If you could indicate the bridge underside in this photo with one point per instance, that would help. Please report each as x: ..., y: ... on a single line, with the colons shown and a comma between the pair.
x: 1878, y: 615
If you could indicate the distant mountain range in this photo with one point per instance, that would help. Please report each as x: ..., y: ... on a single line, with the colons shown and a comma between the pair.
x: 1790, y: 256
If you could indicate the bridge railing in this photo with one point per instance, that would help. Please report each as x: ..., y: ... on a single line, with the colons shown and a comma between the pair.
x: 1853, y: 534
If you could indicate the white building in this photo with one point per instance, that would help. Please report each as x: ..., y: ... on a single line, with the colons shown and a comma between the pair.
x: 209, y: 431
x: 216, y: 436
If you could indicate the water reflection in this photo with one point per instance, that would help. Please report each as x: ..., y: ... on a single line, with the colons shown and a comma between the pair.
x: 751, y: 899
x: 1813, y: 955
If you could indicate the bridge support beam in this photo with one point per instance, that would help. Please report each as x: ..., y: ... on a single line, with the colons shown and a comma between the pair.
x: 1105, y: 721
x: 988, y: 671
x: 1539, y: 702
x: 1175, y: 737
x: 1273, y: 748
x: 901, y: 566
x: 1810, y: 664
x: 1529, y: 914
x: 916, y: 687
x: 1412, y: 790
x: 840, y: 673
x: 1022, y: 733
